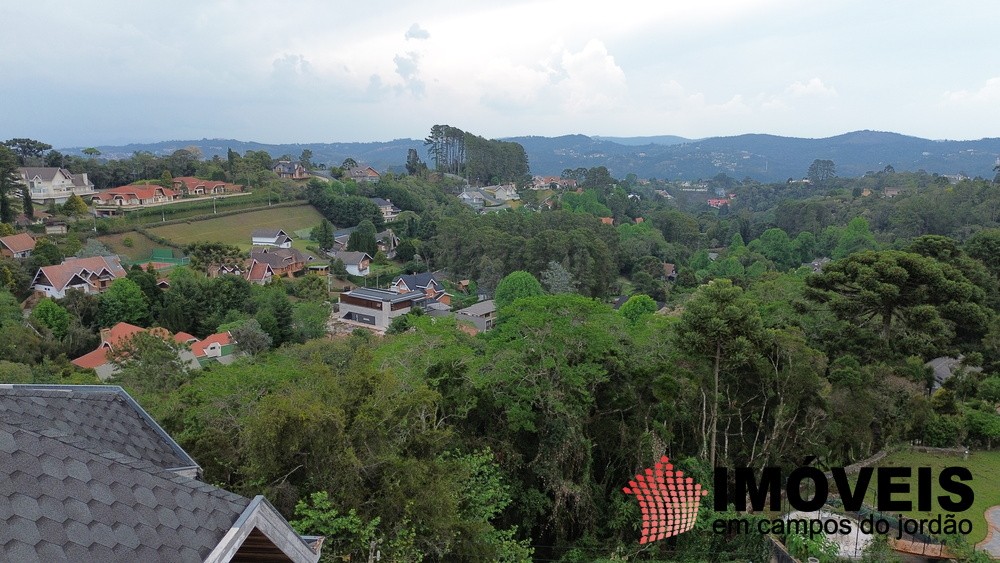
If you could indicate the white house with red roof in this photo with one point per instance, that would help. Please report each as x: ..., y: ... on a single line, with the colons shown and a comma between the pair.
x: 17, y: 246
x: 90, y: 275
x: 136, y: 196
x: 219, y: 347
x: 196, y: 186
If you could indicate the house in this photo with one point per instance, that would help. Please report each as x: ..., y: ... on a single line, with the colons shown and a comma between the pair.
x: 669, y: 271
x: 389, y: 211
x: 17, y: 246
x: 505, y: 192
x: 219, y: 347
x: 135, y: 196
x: 377, y: 307
x: 283, y: 261
x: 357, y: 263
x: 189, y: 185
x: 718, y: 203
x: 425, y: 283
x: 363, y: 174
x: 22, y: 221
x: 216, y: 347
x: 290, y: 170
x: 55, y: 185
x: 90, y: 275
x: 477, y: 199
x: 482, y: 315
x: 546, y: 182
x: 89, y: 476
x: 607, y: 220
x: 387, y: 240
x: 259, y: 273
x: 892, y: 192
x: 270, y: 237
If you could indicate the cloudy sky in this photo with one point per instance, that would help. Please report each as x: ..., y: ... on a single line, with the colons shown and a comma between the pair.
x: 109, y: 72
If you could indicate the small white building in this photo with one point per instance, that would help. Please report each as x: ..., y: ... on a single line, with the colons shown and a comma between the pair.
x: 270, y: 237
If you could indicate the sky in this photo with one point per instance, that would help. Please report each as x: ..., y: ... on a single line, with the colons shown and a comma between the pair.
x: 112, y: 72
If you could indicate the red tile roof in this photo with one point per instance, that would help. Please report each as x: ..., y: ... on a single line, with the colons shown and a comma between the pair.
x: 139, y: 192
x: 93, y: 359
x: 190, y: 183
x: 20, y: 242
x: 220, y: 338
x: 184, y: 337
x: 258, y: 271
x: 60, y: 275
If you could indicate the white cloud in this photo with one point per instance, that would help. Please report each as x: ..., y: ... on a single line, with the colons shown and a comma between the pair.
x: 814, y: 87
x: 989, y: 93
x: 593, y: 81
x: 417, y: 32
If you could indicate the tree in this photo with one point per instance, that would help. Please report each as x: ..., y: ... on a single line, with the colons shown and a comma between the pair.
x: 557, y: 279
x: 211, y: 255
x: 25, y: 149
x: 912, y: 304
x: 637, y: 307
x: 91, y: 152
x: 414, y: 166
x: 123, y: 302
x: 514, y: 286
x: 720, y: 327
x: 9, y: 181
x: 363, y: 239
x: 821, y: 171
x: 75, y: 206
x: 49, y: 314
x: 323, y: 235
x: 149, y: 363
x: 251, y: 338
x: 349, y: 163
x: 306, y: 159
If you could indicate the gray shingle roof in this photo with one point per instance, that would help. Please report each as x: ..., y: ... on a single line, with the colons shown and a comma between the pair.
x: 87, y: 475
x: 100, y: 417
x: 61, y: 499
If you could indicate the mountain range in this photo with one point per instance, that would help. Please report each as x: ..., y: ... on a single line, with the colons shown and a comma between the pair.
x: 766, y: 158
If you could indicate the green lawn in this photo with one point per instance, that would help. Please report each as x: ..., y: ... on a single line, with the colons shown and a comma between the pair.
x: 985, y: 468
x: 141, y: 247
x: 236, y: 229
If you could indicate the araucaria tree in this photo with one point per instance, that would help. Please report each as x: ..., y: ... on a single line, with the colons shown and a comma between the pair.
x: 719, y: 330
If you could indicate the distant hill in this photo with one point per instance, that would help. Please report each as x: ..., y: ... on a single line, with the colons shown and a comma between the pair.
x: 766, y: 158
x: 640, y: 141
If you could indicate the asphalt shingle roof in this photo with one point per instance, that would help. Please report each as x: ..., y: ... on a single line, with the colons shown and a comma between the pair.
x: 104, y: 420
x: 62, y: 500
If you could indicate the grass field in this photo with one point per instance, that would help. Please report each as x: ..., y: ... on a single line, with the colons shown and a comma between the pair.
x: 141, y: 247
x: 985, y: 468
x: 236, y: 229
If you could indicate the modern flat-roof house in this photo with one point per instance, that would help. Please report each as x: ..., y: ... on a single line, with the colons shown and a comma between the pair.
x: 90, y: 275
x: 87, y: 475
x: 482, y: 315
x: 17, y: 246
x: 270, y: 237
x: 377, y: 307
x: 55, y: 185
